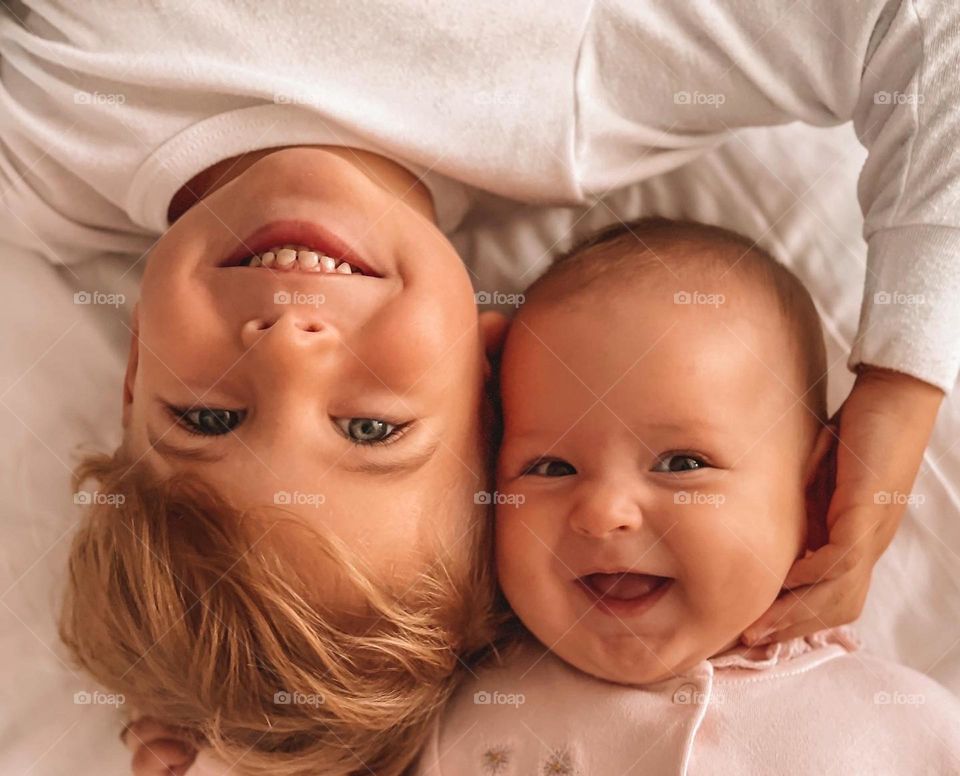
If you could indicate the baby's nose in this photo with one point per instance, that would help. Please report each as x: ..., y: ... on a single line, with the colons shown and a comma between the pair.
x: 605, y: 510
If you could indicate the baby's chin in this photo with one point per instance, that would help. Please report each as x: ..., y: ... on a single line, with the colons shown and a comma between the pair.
x: 632, y: 662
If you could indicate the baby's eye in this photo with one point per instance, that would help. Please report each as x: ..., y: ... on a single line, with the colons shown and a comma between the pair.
x: 368, y: 431
x: 207, y: 421
x: 680, y: 462
x: 550, y: 468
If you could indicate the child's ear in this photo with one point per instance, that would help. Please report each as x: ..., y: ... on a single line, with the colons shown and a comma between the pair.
x: 819, y: 480
x: 493, y: 331
x: 133, y: 357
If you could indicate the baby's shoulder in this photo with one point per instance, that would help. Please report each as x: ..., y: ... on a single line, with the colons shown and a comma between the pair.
x: 864, y: 677
x: 908, y: 718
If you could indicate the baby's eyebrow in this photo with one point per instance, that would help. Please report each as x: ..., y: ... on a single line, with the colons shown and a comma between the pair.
x: 685, y: 424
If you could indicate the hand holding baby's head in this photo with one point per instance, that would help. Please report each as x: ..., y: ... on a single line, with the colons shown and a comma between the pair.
x: 664, y: 406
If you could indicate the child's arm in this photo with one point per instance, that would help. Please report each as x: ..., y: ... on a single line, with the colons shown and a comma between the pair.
x: 658, y: 81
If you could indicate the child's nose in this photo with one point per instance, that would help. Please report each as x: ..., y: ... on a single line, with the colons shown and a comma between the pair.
x: 289, y: 328
x: 604, y: 510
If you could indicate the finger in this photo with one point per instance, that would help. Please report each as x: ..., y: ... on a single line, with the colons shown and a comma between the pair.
x: 788, y: 610
x: 830, y: 562
x: 826, y: 605
x: 801, y: 628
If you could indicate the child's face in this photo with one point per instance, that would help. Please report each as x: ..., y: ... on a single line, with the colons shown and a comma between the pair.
x: 609, y: 408
x: 356, y: 400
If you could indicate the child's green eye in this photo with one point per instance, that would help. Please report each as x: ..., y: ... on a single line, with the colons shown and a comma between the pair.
x: 367, y: 431
x: 680, y: 462
x: 550, y: 468
x: 206, y: 421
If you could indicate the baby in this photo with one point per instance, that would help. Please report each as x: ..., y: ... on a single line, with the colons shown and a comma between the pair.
x: 664, y: 414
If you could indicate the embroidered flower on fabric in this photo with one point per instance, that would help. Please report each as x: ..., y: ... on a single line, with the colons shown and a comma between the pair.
x: 495, y: 760
x: 559, y: 763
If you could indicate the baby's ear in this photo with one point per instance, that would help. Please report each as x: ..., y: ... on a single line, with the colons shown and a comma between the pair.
x: 820, y: 475
x: 133, y: 357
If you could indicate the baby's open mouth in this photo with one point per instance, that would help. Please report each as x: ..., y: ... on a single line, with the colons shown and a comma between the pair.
x: 623, y: 593
x: 624, y: 586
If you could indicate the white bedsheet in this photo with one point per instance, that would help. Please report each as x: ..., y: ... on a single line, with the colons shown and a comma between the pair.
x: 60, y: 388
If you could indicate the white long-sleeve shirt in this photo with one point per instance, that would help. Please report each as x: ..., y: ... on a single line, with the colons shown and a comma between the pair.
x: 107, y: 108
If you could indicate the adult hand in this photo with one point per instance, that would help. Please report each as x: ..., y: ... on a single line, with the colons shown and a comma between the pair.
x: 884, y: 427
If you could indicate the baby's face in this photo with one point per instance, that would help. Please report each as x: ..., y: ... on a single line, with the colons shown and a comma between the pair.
x: 351, y: 400
x: 650, y: 479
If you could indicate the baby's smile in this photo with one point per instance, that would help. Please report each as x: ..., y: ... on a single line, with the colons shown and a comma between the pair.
x: 624, y: 593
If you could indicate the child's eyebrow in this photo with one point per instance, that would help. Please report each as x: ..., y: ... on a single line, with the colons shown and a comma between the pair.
x: 409, y: 463
x: 165, y: 448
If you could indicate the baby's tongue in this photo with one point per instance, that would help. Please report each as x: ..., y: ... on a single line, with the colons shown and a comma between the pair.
x: 622, y: 587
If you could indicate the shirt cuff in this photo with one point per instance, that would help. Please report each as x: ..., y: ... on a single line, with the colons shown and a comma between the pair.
x: 910, y: 315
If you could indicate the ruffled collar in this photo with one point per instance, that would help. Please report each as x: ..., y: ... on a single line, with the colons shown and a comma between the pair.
x: 770, y: 655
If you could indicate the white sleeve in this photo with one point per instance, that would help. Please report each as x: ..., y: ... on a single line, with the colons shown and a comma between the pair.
x: 658, y: 80
x: 908, y: 117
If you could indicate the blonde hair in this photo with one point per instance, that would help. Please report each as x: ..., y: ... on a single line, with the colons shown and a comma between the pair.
x: 186, y: 606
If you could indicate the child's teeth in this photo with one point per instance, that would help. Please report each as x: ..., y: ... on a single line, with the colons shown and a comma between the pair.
x: 308, y: 259
x: 295, y: 257
x: 286, y: 257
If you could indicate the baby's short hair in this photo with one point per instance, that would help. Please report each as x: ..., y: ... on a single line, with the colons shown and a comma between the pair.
x: 183, y: 604
x: 652, y: 249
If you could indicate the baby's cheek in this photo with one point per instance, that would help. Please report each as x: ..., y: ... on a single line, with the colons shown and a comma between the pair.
x: 730, y: 583
x: 516, y: 552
